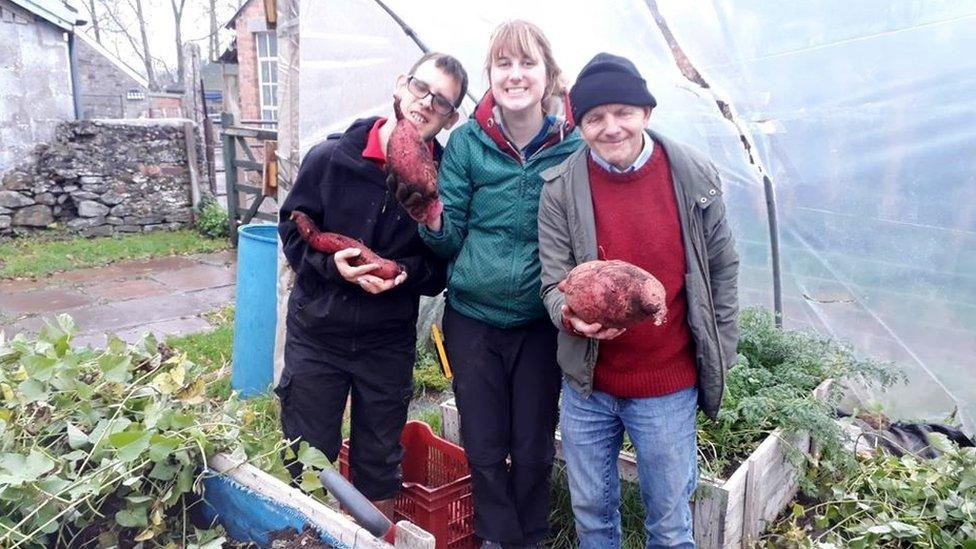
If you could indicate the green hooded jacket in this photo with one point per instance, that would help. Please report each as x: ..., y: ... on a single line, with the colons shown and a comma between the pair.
x: 490, y: 230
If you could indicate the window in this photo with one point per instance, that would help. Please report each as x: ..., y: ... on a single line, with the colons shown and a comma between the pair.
x: 267, y: 44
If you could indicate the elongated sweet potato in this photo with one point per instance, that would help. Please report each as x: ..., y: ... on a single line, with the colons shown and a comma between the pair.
x: 614, y: 293
x: 331, y: 243
x: 410, y: 161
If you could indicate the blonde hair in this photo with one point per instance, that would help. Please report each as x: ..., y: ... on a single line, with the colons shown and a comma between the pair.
x: 518, y: 37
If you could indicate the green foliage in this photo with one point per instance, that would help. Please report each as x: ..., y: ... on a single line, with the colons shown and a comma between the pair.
x: 211, y: 219
x: 31, y: 257
x: 563, y: 532
x: 771, y: 387
x: 109, y: 443
x: 211, y: 350
x: 427, y: 375
x: 431, y: 416
x: 891, y: 502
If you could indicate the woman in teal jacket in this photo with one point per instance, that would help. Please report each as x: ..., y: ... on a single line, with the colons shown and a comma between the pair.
x: 499, y: 340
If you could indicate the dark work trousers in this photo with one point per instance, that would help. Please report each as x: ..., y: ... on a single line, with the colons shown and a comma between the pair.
x: 314, y: 386
x: 506, y: 384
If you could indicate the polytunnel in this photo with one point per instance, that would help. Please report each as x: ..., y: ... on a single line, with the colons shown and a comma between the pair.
x: 857, y: 116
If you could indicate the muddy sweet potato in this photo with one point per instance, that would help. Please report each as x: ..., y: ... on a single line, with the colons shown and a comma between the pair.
x: 411, y: 162
x: 614, y: 293
x: 331, y: 243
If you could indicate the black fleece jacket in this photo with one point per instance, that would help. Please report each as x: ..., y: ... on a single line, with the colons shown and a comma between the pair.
x: 345, y: 193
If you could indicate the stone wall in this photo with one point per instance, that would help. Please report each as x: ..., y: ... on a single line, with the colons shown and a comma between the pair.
x: 100, y: 178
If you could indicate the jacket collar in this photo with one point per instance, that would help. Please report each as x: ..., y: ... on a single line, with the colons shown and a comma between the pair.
x: 349, y: 151
x: 696, y: 176
x: 485, y: 116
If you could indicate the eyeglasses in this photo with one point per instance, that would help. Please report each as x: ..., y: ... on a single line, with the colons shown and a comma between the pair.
x: 420, y: 89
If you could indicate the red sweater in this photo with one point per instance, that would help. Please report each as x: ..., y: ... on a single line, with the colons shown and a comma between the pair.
x: 637, y: 221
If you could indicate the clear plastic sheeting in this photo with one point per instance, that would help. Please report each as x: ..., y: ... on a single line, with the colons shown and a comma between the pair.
x: 861, y: 113
x: 865, y: 116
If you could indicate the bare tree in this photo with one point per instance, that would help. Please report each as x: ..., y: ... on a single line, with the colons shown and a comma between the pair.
x: 178, y: 7
x: 95, y: 23
x: 150, y: 73
x: 118, y: 24
x: 213, y: 45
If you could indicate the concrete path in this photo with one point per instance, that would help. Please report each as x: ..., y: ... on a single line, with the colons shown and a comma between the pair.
x: 167, y: 296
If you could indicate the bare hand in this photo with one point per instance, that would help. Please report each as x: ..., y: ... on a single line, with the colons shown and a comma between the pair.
x: 376, y: 285
x: 348, y: 272
x: 591, y: 330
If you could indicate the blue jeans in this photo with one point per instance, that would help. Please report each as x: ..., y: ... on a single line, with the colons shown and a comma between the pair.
x: 663, y: 432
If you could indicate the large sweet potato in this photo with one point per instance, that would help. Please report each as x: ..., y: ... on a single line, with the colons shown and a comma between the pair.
x: 614, y: 293
x: 331, y: 243
x: 409, y: 160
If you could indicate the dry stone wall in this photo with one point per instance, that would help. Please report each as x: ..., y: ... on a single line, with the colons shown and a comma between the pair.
x: 101, y: 177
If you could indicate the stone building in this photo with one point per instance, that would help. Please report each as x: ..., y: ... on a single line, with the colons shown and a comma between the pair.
x: 108, y: 87
x: 38, y: 43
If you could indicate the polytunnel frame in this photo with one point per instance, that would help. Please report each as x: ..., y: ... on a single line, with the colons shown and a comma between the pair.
x: 688, y: 71
x: 748, y: 137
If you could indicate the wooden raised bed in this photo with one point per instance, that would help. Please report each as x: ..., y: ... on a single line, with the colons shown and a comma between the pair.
x: 249, y: 503
x: 726, y: 512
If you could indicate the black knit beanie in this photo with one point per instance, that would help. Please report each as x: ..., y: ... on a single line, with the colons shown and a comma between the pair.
x: 608, y: 79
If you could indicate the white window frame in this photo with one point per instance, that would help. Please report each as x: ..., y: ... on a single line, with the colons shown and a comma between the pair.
x: 266, y: 48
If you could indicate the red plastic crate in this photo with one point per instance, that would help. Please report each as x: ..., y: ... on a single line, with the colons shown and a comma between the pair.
x: 436, y: 492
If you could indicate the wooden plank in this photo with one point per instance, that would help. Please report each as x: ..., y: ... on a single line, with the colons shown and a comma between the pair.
x: 411, y: 536
x: 736, y: 488
x: 249, y: 165
x: 256, y: 133
x: 772, y: 482
x: 318, y: 514
x: 249, y: 214
x: 450, y: 422
x: 266, y: 216
x: 230, y: 176
x: 269, y: 174
x: 708, y: 510
x: 248, y: 189
x: 190, y: 141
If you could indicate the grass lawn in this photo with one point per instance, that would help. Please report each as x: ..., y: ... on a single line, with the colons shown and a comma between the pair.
x: 33, y: 257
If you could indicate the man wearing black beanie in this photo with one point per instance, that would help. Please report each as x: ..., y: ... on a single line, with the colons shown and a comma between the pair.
x: 633, y: 194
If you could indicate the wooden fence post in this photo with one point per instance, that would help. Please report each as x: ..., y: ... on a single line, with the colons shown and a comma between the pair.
x: 230, y: 174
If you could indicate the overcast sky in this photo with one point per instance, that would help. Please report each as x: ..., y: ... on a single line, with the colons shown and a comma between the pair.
x: 159, y: 14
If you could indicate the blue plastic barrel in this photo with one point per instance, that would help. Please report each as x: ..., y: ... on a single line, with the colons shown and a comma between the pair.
x: 256, y: 315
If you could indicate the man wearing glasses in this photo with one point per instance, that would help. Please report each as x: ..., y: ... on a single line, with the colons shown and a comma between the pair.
x: 349, y: 331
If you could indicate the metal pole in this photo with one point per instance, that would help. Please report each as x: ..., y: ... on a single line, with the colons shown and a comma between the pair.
x: 774, y: 249
x: 413, y: 36
x: 230, y: 174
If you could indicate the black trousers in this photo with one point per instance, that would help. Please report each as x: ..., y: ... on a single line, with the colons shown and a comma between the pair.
x: 318, y: 377
x: 506, y: 384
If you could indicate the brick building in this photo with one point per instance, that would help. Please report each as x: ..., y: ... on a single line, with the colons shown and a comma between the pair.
x: 255, y: 52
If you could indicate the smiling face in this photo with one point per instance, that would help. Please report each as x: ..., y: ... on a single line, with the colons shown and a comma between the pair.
x: 420, y: 110
x: 615, y: 132
x: 518, y: 80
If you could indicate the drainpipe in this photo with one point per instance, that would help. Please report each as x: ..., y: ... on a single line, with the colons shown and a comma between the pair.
x: 73, y: 68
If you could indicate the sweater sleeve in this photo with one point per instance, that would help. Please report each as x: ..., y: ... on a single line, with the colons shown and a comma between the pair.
x: 305, y: 197
x: 455, y: 188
